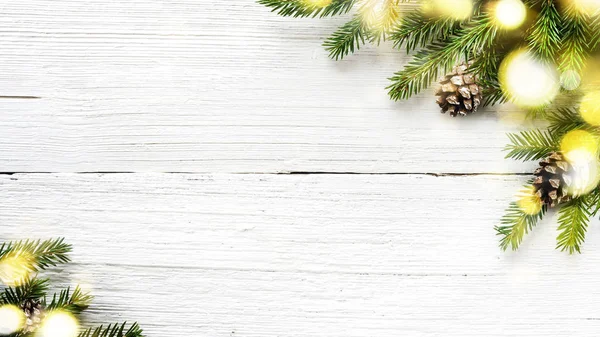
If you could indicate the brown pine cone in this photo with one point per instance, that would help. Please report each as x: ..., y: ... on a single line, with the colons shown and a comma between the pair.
x: 552, y: 180
x: 34, y: 313
x: 459, y: 93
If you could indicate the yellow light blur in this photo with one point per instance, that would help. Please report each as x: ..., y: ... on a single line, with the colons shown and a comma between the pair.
x: 379, y: 15
x: 11, y: 319
x: 454, y: 9
x: 527, y: 81
x: 581, y: 151
x: 570, y: 80
x: 590, y: 108
x: 59, y: 324
x: 14, y: 269
x: 510, y: 14
x: 317, y: 3
x: 529, y: 202
x: 591, y: 7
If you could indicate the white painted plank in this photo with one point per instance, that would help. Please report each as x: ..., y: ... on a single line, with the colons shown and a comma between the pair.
x: 307, y: 255
x: 205, y: 86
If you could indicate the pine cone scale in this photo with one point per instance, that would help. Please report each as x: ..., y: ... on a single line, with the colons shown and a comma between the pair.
x: 459, y: 93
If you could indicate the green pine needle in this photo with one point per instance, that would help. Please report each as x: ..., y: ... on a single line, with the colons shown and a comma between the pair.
x: 300, y: 8
x: 563, y: 120
x: 346, y: 39
x: 113, y: 330
x: 531, y: 145
x: 416, y: 30
x: 36, y: 255
x: 28, y: 289
x: 573, y: 220
x: 515, y: 224
x: 544, y: 37
x: 576, y: 42
x: 441, y: 56
x: 74, y: 302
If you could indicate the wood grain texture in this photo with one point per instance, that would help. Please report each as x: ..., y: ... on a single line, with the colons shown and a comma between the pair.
x: 204, y: 86
x: 307, y: 255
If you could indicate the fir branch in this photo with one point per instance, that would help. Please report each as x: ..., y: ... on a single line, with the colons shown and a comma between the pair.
x: 113, y: 330
x: 576, y: 40
x: 573, y: 220
x: 29, y: 288
x: 346, y: 39
x: 416, y: 30
x: 531, y: 145
x: 74, y: 302
x: 36, y: 255
x: 563, y: 120
x: 301, y: 8
x: 515, y: 224
x: 544, y: 37
x: 425, y: 66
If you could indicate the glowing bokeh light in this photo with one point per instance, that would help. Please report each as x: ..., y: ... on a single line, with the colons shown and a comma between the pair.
x: 581, y: 151
x: 570, y: 80
x: 454, y: 9
x: 590, y: 108
x: 529, y: 202
x: 318, y: 3
x: 510, y: 14
x: 11, y: 319
x: 591, y: 7
x: 379, y: 15
x: 14, y: 269
x: 59, y: 324
x: 527, y: 81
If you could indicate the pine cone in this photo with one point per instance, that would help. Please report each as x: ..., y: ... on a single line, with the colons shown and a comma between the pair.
x: 459, y: 93
x: 34, y: 313
x: 552, y: 180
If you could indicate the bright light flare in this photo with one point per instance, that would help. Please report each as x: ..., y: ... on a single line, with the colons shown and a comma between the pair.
x: 12, y: 319
x: 317, y: 3
x: 379, y: 15
x: 529, y: 202
x: 510, y: 14
x: 590, y: 108
x: 14, y: 269
x: 454, y: 9
x: 581, y: 151
x: 591, y: 7
x: 527, y: 81
x: 59, y: 324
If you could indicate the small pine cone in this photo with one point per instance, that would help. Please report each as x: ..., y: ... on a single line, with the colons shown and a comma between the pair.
x: 552, y: 180
x: 34, y: 313
x: 459, y: 93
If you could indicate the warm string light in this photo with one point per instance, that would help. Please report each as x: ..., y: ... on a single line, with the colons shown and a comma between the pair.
x: 509, y: 14
x: 590, y: 7
x: 580, y: 148
x: 590, y: 108
x: 379, y: 16
x: 12, y: 319
x: 527, y: 81
x: 529, y: 202
x: 59, y: 324
x: 455, y: 9
x: 317, y: 3
x: 14, y: 269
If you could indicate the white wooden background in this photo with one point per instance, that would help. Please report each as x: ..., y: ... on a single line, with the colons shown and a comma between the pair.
x: 218, y: 175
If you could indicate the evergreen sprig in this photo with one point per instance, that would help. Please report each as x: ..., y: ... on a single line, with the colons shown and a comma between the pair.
x: 544, y: 37
x: 346, y: 39
x: 74, y: 302
x: 28, y: 289
x: 573, y: 221
x: 113, y: 330
x: 36, y: 255
x: 531, y: 145
x: 515, y: 224
x: 302, y: 8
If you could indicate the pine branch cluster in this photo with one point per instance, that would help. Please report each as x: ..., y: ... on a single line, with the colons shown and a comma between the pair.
x: 556, y: 32
x: 36, y: 256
